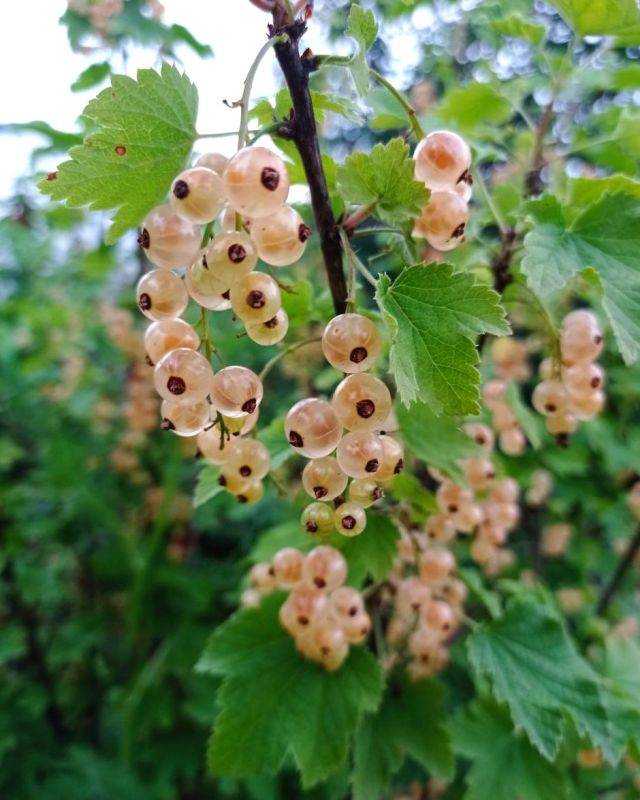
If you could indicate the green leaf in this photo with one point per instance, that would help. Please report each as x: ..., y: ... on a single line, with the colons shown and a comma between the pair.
x: 599, y: 17
x: 406, y: 486
x: 298, y: 303
x: 207, y: 486
x: 91, y: 76
x: 437, y: 441
x: 475, y: 105
x: 363, y: 28
x: 145, y: 130
x: 622, y: 690
x: 12, y: 643
x: 372, y: 553
x: 519, y: 28
x: 434, y: 315
x: 273, y: 702
x: 287, y: 534
x: 534, y: 668
x: 504, y: 765
x: 605, y: 238
x: 529, y: 422
x: 409, y: 723
x: 585, y: 191
x: 388, y: 111
x: 384, y: 178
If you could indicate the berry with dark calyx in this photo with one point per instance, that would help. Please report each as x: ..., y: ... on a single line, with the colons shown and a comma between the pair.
x: 183, y: 376
x: 362, y: 402
x: 255, y: 297
x: 312, y: 428
x: 317, y: 519
x: 161, y: 295
x: 270, y: 332
x: 281, y: 237
x: 168, y: 240
x: 350, y: 519
x: 351, y: 343
x: 256, y: 182
x: 236, y: 391
x: 323, y: 479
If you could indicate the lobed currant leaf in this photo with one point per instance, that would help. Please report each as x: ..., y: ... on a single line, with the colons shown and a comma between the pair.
x: 363, y: 28
x: 434, y: 315
x: 372, y: 553
x: 601, y: 17
x: 145, y: 129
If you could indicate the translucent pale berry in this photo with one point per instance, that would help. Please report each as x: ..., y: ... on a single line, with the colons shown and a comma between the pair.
x: 583, y: 378
x: 478, y: 471
x: 503, y: 418
x: 197, y: 195
x: 362, y: 402
x: 423, y: 641
x: 360, y: 454
x: 325, y: 643
x: 442, y: 160
x: 510, y: 358
x: 440, y: 528
x: 183, y: 376
x: 304, y: 607
x: 581, y: 318
x: 481, y: 434
x: 442, y: 222
x: 169, y: 334
x: 249, y: 458
x: 412, y: 595
x: 236, y: 391
x: 230, y: 256
x: 392, y: 460
x: 262, y: 577
x: 467, y: 517
x: 451, y: 498
x: 555, y: 539
x: 587, y: 406
x: 436, y: 564
x: 239, y: 426
x: 453, y: 591
x: 580, y: 344
x: 345, y: 603
x: 439, y: 617
x: 547, y: 369
x: 562, y: 425
x: 481, y: 550
x: 281, y: 238
x: 350, y: 519
x: 287, y: 567
x: 323, y: 479
x: 215, y: 161
x: 357, y: 628
x: 493, y: 393
x: 351, y: 343
x: 506, y: 490
x: 183, y: 419
x: 251, y: 493
x: 214, y: 447
x: 312, y: 428
x: 365, y: 492
x: 270, y: 332
x: 161, y: 294
x: 550, y: 397
x: 256, y: 181
x: 513, y: 441
x: 317, y: 519
x: 255, y: 298
x: 205, y: 288
x: 325, y: 568
x: 230, y: 480
x: 168, y: 240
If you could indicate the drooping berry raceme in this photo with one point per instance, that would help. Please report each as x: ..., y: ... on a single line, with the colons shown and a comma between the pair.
x: 205, y: 288
x: 443, y: 221
x: 185, y: 419
x: 323, y: 479
x: 255, y: 298
x: 169, y: 334
x: 312, y: 428
x: 362, y: 402
x: 169, y: 240
x: 183, y: 376
x: 256, y: 182
x: 230, y: 256
x: 511, y: 438
x: 351, y: 343
x: 270, y: 332
x: 280, y: 238
x: 161, y: 294
x: 197, y: 195
x: 442, y: 161
x: 236, y: 391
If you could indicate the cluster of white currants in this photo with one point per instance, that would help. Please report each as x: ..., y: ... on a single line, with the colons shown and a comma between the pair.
x: 367, y: 453
x: 539, y: 488
x: 511, y: 438
x: 572, y: 391
x: 443, y: 164
x: 322, y: 615
x: 487, y: 506
x: 427, y: 600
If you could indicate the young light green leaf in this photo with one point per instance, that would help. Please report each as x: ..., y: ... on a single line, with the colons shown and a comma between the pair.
x: 517, y: 26
x: 434, y: 316
x: 207, y: 486
x: 622, y: 690
x: 529, y: 422
x: 605, y: 238
x: 273, y: 702
x: 145, y: 129
x: 484, y: 733
x: 600, y: 17
x: 585, y: 191
x: 437, y: 441
x: 409, y: 723
x: 91, y: 76
x: 534, y: 668
x: 474, y: 106
x: 363, y: 28
x: 384, y: 178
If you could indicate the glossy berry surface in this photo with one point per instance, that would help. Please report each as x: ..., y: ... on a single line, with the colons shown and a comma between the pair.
x: 168, y: 240
x: 361, y: 402
x: 255, y: 298
x: 169, y: 334
x: 161, y: 294
x: 360, y: 454
x: 236, y: 391
x: 270, y: 332
x: 249, y: 458
x: 205, y: 288
x: 323, y: 479
x: 351, y: 343
x: 184, y: 419
x: 312, y: 428
x: 350, y: 519
x: 280, y: 238
x: 230, y: 256
x: 256, y: 182
x: 183, y: 376
x: 197, y: 195
x: 443, y: 221
x: 442, y: 160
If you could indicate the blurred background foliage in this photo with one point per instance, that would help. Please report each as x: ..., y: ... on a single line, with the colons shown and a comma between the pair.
x: 110, y: 581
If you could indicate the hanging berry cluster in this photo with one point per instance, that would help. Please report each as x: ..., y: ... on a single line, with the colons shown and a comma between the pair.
x: 572, y: 391
x: 322, y: 615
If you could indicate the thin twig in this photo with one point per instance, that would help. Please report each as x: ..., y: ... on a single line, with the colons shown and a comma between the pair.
x: 284, y: 352
x: 625, y: 563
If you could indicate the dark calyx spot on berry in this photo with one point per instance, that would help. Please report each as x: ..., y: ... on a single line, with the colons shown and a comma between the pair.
x: 459, y: 231
x: 181, y: 189
x: 452, y: 508
x: 120, y: 149
x: 144, y: 240
x: 562, y: 440
x: 311, y: 527
x: 303, y: 620
x: 358, y: 355
x: 52, y: 176
x: 365, y: 408
x: 167, y: 425
x: 236, y: 253
x: 148, y: 361
x: 348, y: 522
x: 595, y: 382
x: 222, y: 481
x: 144, y: 301
x: 271, y: 571
x: 176, y: 385
x: 320, y: 582
x: 550, y: 407
x: 424, y: 658
x: 270, y: 178
x: 324, y: 650
x: 271, y: 323
x: 480, y: 439
x: 295, y: 440
x: 491, y: 475
x: 304, y: 232
x: 245, y: 470
x: 319, y: 491
x: 597, y: 338
x: 249, y: 406
x: 399, y: 466
x: 242, y: 498
x: 256, y: 299
x: 353, y: 611
x: 466, y: 177
x: 205, y: 263
x: 377, y: 493
x: 372, y: 465
x: 446, y: 626
x: 226, y: 294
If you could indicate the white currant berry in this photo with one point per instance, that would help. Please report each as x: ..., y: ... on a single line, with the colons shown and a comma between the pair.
x: 587, y: 406
x: 255, y: 298
x: 505, y: 490
x: 280, y: 238
x: 583, y: 378
x: 213, y: 446
x: 562, y: 425
x: 550, y: 397
x: 350, y: 519
x: 205, y: 288
x: 305, y: 606
x: 161, y: 294
x: 262, y: 577
x: 317, y: 519
x: 325, y: 643
x: 182, y: 419
x: 345, y: 603
x: 442, y: 222
x: 392, y: 459
x: 365, y: 492
x: 439, y: 617
x: 580, y: 344
x: 287, y: 567
x: 481, y: 434
x: 362, y: 402
x: 312, y: 428
x: 236, y: 391
x: 230, y: 480
x: 451, y: 498
x: 197, y: 195
x: 512, y: 441
x: 215, y: 161
x: 270, y: 332
x: 440, y: 527
x: 168, y: 240
x: 351, y: 343
x: 360, y: 454
x: 435, y: 564
x: 183, y: 376
x: 239, y: 426
x: 249, y: 458
x: 169, y: 334
x: 256, y: 182
x: 251, y: 493
x: 442, y: 160
x: 323, y: 479
x: 230, y: 256
x: 325, y: 568
x: 412, y: 595
x: 356, y: 628
x: 478, y: 472
x: 581, y: 319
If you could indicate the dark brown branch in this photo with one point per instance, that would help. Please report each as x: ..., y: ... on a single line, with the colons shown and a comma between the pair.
x: 625, y: 563
x: 533, y: 181
x: 501, y: 262
x: 295, y: 69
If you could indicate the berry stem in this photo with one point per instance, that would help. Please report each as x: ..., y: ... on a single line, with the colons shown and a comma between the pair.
x: 416, y: 127
x: 355, y: 262
x: 627, y: 560
x: 284, y: 352
x: 358, y: 216
x: 493, y: 208
x: 305, y: 137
